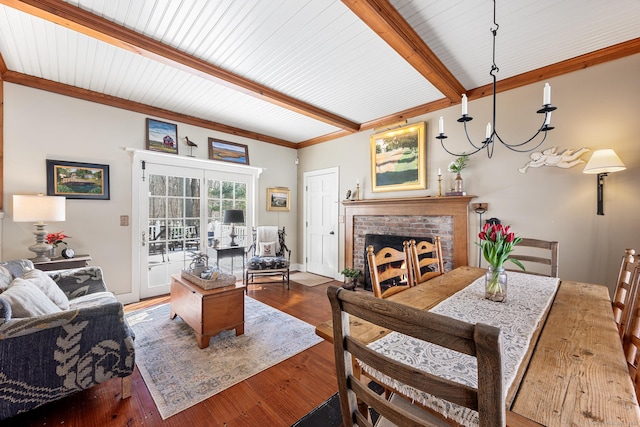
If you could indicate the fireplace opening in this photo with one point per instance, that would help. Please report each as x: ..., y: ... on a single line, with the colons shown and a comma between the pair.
x: 379, y: 241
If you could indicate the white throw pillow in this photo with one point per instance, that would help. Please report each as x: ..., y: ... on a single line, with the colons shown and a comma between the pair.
x: 27, y: 300
x: 47, y: 285
x: 267, y: 249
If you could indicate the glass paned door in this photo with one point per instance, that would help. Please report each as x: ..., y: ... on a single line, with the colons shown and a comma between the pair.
x: 174, y: 220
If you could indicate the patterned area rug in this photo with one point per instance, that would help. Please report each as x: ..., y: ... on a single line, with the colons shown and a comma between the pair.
x: 178, y: 374
x: 308, y: 279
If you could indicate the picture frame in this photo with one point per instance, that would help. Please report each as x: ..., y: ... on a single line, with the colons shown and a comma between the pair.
x: 75, y: 180
x: 162, y: 136
x: 278, y: 199
x: 398, y: 159
x: 228, y: 151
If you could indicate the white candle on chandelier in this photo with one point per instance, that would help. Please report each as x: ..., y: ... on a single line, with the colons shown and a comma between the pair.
x: 488, y: 133
x: 546, y: 99
x: 464, y: 104
x: 547, y: 121
x: 441, y: 125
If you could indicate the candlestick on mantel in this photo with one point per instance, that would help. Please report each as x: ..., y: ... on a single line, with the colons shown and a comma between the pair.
x: 439, y: 184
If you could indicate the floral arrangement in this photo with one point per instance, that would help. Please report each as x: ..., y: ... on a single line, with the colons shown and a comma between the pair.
x: 56, y: 238
x: 497, y: 243
x: 459, y: 163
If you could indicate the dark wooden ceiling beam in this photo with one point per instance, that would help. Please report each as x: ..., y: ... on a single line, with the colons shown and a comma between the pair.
x: 385, y: 20
x: 112, y: 101
x: 76, y: 19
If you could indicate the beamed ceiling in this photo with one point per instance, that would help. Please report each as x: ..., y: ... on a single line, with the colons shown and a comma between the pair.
x: 297, y: 73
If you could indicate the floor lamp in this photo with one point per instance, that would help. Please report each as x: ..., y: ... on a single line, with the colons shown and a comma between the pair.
x: 38, y: 209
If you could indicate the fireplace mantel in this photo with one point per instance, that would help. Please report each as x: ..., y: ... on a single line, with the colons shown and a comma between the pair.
x: 454, y: 206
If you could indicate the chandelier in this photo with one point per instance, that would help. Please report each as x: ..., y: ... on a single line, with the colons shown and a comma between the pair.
x: 491, y: 134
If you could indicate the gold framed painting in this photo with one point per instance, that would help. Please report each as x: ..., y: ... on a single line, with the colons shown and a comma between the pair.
x: 398, y: 159
x: 278, y: 199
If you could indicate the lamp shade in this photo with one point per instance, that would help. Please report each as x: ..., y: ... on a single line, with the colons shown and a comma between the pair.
x: 38, y: 208
x: 233, y: 216
x: 604, y: 161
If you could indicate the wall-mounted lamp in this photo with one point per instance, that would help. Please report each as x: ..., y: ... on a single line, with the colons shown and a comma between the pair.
x: 603, y: 162
x: 38, y: 209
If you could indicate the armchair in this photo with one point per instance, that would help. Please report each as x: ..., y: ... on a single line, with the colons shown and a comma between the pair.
x: 50, y: 355
x: 269, y: 255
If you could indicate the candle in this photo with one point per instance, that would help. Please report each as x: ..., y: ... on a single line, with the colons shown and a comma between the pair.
x: 441, y: 125
x: 439, y: 172
x: 464, y: 104
x: 546, y: 99
x: 547, y: 121
x: 488, y: 133
x: 358, y: 181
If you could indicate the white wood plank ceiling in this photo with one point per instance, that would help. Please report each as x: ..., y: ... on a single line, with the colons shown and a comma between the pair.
x: 308, y: 69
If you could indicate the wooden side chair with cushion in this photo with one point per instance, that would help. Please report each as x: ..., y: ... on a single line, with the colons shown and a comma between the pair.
x: 389, y: 270
x: 481, y: 341
x: 537, y: 252
x: 426, y: 260
x: 625, y: 292
x: 632, y: 347
x: 268, y: 255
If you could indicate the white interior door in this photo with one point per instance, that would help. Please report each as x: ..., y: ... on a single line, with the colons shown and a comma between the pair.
x: 321, y: 222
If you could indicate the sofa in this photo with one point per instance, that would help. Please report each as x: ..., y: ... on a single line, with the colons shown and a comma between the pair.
x: 60, y: 332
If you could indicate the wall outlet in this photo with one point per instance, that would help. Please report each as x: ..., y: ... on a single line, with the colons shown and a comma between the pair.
x: 124, y: 220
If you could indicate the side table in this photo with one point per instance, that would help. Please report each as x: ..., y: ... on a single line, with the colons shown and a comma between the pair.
x: 229, y: 252
x: 208, y: 312
x: 60, y: 263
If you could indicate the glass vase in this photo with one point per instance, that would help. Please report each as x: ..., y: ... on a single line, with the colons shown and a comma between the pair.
x: 458, y: 184
x: 496, y: 284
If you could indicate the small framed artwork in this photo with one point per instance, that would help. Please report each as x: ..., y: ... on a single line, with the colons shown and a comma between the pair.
x: 75, y: 180
x: 398, y: 159
x: 228, y: 151
x: 162, y: 136
x: 278, y: 199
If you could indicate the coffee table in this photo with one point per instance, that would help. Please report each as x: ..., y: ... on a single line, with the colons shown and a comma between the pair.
x: 208, y: 312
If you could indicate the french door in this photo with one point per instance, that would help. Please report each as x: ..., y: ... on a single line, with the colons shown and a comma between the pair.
x: 180, y: 210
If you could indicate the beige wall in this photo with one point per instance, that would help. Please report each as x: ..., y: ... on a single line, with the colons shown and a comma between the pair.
x: 597, y: 108
x: 39, y: 125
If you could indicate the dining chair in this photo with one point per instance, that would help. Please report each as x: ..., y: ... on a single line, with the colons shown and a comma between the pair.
x: 389, y: 270
x: 624, y: 295
x: 484, y: 342
x: 632, y: 348
x: 536, y: 252
x: 425, y: 256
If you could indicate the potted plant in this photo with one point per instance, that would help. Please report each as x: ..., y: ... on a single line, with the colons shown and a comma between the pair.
x: 456, y: 167
x: 350, y: 278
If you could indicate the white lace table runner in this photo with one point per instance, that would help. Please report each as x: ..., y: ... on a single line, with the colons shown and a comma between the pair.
x: 528, y: 297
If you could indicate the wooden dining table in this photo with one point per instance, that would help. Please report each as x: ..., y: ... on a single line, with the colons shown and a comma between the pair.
x: 574, y: 372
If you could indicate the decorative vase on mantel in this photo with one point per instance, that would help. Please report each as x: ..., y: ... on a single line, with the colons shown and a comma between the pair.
x: 496, y: 284
x: 458, y: 184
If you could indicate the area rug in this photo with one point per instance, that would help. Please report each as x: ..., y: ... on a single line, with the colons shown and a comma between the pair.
x: 178, y: 374
x: 309, y: 279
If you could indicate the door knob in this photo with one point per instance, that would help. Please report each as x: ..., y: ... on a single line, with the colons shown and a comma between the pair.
x: 332, y: 233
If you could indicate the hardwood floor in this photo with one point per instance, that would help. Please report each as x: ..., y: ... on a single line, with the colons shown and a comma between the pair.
x: 278, y: 396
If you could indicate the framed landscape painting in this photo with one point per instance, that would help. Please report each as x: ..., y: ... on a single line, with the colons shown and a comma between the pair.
x: 75, y: 180
x: 162, y: 136
x: 278, y: 199
x: 398, y: 159
x: 228, y: 151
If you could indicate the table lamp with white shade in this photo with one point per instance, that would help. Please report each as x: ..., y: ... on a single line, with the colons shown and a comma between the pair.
x: 38, y: 209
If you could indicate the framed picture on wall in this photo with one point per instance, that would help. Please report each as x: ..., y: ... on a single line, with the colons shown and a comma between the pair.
x: 278, y: 199
x: 398, y: 159
x: 162, y: 136
x: 75, y: 180
x: 228, y: 151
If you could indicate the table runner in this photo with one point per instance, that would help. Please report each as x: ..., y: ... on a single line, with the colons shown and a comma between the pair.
x: 528, y: 298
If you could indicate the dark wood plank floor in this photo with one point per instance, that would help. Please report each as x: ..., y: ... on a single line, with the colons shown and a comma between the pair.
x: 278, y: 396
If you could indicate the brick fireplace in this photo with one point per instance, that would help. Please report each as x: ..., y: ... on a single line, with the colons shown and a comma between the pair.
x: 447, y: 217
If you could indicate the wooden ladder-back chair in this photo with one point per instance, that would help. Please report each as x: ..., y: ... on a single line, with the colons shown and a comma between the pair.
x: 481, y: 341
x: 526, y: 252
x: 390, y: 270
x: 421, y: 263
x: 631, y: 345
x: 624, y: 295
